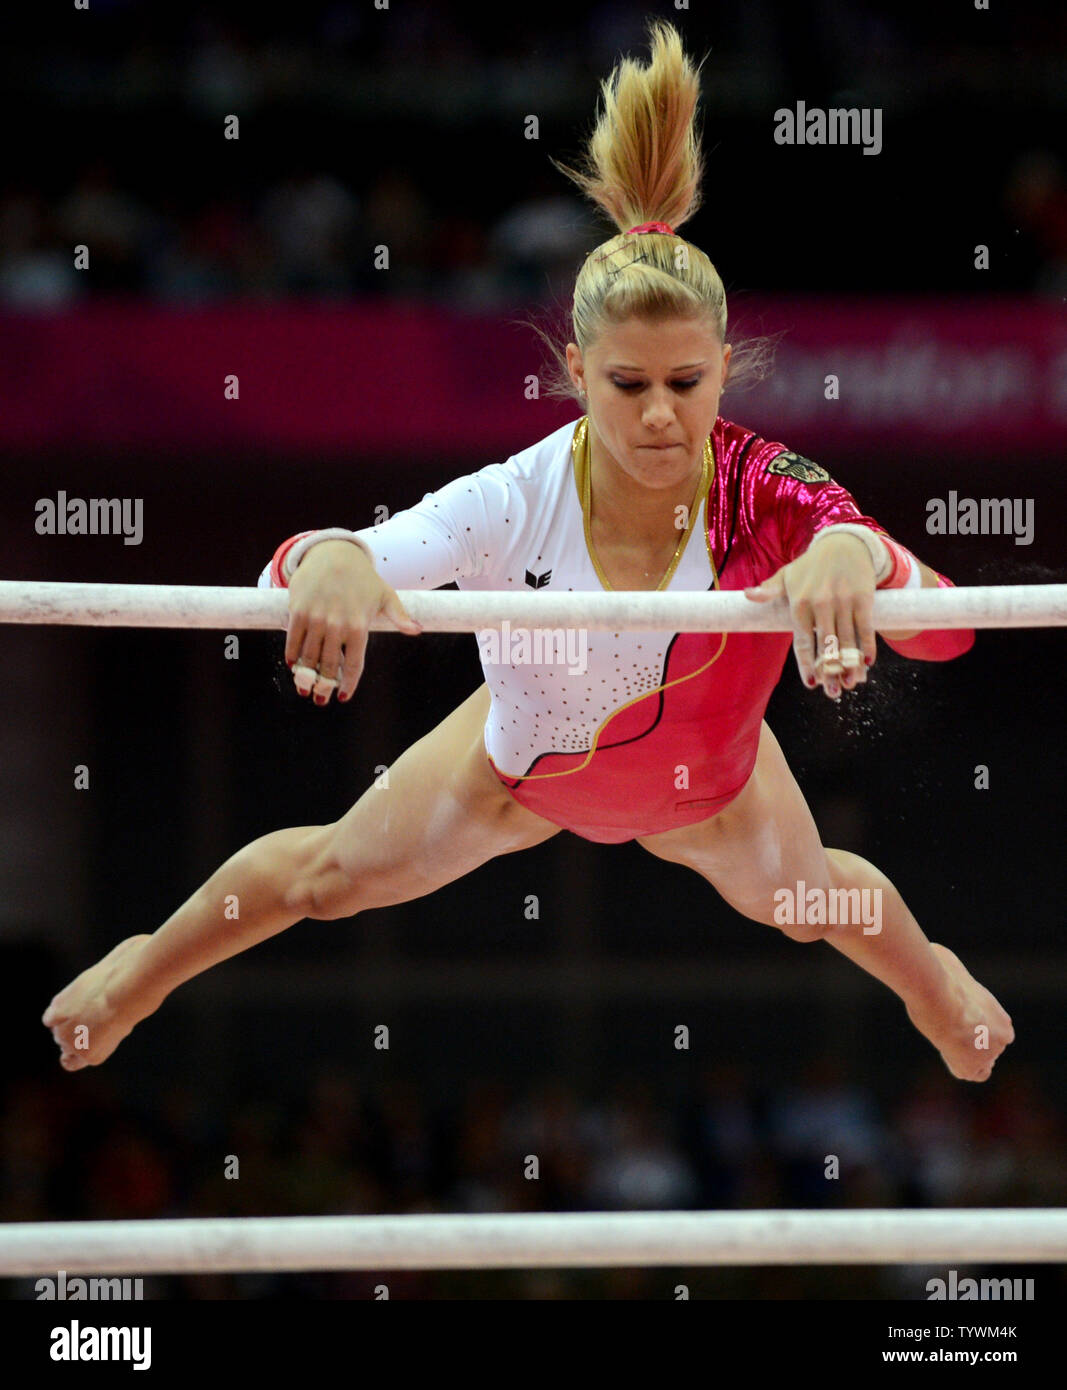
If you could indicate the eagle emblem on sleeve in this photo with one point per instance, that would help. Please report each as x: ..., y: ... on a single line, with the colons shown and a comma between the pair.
x: 796, y: 466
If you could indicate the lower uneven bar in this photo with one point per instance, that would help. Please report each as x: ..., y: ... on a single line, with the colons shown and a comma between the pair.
x: 546, y: 1240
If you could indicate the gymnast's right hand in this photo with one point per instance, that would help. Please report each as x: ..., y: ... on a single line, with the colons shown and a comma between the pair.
x: 334, y: 596
x: 92, y: 1015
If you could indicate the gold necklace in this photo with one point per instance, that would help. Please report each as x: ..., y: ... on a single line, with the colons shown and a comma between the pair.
x: 583, y: 477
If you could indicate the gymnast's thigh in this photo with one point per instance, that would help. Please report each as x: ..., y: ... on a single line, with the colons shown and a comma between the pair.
x: 437, y: 813
x: 764, y: 839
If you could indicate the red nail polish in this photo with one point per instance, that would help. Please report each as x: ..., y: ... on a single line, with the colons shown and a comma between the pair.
x: 811, y: 682
x: 341, y: 698
x: 320, y: 699
x: 868, y: 660
x: 304, y: 693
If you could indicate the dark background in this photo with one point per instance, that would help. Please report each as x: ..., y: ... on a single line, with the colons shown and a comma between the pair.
x: 510, y: 1036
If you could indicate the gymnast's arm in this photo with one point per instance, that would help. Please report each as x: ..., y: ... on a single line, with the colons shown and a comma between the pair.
x: 925, y: 645
x: 907, y: 571
x: 805, y: 510
x: 335, y: 593
x: 339, y: 581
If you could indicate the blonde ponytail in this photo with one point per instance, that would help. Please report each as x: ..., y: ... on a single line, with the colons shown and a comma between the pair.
x: 643, y: 164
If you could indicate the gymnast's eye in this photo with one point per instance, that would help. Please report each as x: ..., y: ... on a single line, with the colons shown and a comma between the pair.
x: 686, y: 385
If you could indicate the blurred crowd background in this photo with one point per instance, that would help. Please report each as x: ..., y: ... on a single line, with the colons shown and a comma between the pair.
x: 406, y: 127
x: 510, y: 1035
x: 734, y: 1140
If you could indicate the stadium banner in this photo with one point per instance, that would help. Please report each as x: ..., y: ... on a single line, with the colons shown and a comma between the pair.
x: 887, y: 376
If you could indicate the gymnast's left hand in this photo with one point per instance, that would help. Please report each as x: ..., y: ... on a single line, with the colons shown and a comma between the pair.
x: 830, y: 590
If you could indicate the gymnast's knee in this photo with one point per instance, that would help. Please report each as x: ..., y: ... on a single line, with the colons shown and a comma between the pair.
x: 319, y: 887
x: 803, y: 931
x: 792, y: 916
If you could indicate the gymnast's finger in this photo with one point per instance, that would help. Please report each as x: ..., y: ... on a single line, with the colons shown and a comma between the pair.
x: 863, y: 618
x: 827, y: 665
x: 296, y: 631
x: 850, y: 658
x: 308, y: 661
x: 354, y: 657
x: 334, y: 640
x: 804, y: 641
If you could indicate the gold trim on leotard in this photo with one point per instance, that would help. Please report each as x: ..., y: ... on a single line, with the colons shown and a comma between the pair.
x: 580, y: 455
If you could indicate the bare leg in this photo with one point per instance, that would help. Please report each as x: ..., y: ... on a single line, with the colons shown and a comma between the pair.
x: 766, y: 840
x: 443, y: 813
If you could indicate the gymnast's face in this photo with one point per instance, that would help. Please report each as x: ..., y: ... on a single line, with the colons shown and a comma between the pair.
x: 653, y: 393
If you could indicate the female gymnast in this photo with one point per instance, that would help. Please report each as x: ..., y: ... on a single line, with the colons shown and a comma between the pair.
x: 661, y: 738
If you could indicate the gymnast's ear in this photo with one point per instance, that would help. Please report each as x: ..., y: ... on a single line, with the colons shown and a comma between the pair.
x: 575, y: 365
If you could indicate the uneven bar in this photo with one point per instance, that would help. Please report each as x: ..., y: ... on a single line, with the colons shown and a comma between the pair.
x: 187, y: 606
x: 538, y: 1240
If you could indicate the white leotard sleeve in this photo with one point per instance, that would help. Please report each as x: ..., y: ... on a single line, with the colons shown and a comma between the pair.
x: 460, y: 532
x: 502, y: 527
x: 454, y: 533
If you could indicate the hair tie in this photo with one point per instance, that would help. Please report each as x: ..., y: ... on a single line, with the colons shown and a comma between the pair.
x: 651, y: 227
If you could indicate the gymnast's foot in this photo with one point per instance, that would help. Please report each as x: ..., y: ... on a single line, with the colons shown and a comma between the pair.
x: 92, y: 1015
x: 969, y: 1028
